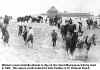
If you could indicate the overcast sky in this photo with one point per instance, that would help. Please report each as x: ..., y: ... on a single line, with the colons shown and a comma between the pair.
x: 22, y: 7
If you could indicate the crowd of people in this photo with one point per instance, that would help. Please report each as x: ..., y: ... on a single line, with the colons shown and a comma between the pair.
x: 72, y: 33
x: 75, y: 37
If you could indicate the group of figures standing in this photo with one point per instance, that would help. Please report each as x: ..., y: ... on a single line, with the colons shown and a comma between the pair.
x: 76, y: 39
x: 73, y: 39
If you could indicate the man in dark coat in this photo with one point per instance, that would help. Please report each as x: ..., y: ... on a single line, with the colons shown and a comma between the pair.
x: 80, y: 27
x: 25, y: 34
x: 69, y: 27
x: 74, y: 42
x: 54, y: 38
x: 90, y: 23
x: 20, y: 30
x: 6, y: 20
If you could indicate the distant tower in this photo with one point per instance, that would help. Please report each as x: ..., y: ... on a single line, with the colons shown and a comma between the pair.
x: 52, y: 11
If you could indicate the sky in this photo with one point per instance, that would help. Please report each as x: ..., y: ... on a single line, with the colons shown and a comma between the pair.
x: 30, y: 7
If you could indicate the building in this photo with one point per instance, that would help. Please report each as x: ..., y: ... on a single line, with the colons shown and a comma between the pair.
x: 53, y: 11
